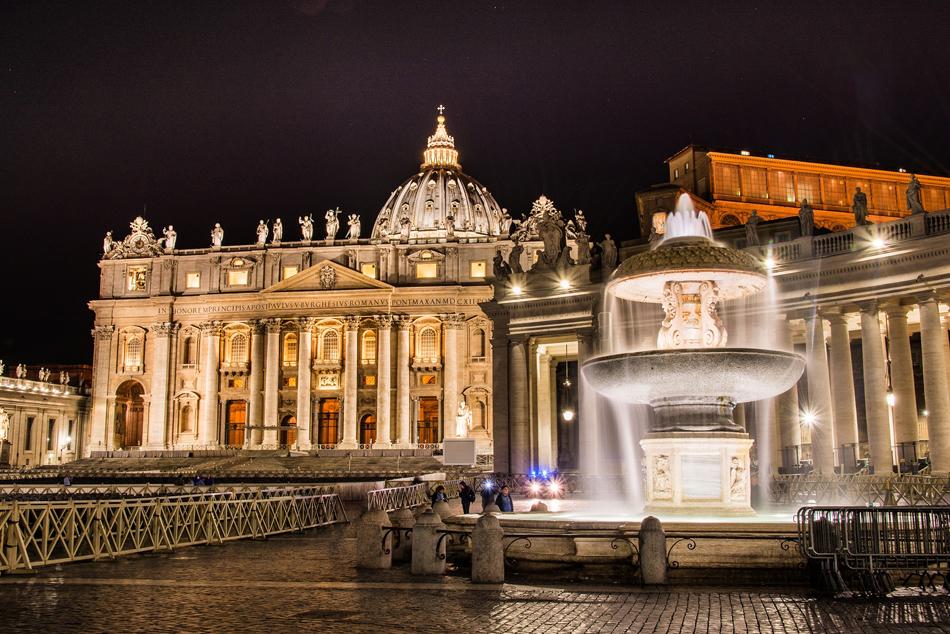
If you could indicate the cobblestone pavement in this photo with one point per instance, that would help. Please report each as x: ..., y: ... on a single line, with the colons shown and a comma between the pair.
x: 304, y: 583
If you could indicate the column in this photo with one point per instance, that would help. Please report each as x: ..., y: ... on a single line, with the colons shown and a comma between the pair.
x: 500, y: 410
x: 210, y: 376
x: 163, y: 338
x: 902, y: 376
x: 271, y: 389
x: 819, y: 394
x: 304, y: 373
x: 787, y: 414
x: 403, y: 419
x: 101, y: 410
x: 875, y: 390
x: 350, y: 363
x: 255, y: 388
x: 547, y: 399
x: 520, y: 449
x: 451, y: 324
x: 936, y: 393
x: 383, y: 379
x: 842, y: 392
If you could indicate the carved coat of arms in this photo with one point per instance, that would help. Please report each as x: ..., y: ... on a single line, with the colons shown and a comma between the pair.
x: 327, y: 278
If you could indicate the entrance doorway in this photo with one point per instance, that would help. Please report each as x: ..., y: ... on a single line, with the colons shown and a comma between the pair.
x: 287, y: 434
x: 129, y: 414
x: 368, y: 429
x: 328, y: 421
x: 236, y: 421
x: 427, y: 427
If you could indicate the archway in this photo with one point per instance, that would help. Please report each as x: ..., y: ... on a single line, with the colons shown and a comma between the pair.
x: 368, y: 429
x: 129, y: 414
x: 287, y: 434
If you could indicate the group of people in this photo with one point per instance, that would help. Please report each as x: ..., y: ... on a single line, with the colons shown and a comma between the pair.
x: 467, y: 495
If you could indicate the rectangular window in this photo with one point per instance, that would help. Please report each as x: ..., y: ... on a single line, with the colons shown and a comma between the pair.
x: 809, y: 188
x: 932, y: 198
x: 289, y: 271
x: 236, y: 383
x: 835, y: 191
x: 754, y: 182
x: 427, y: 270
x: 884, y: 195
x: 368, y: 269
x: 726, y: 179
x: 686, y: 168
x: 290, y: 381
x: 28, y: 440
x: 51, y: 425
x: 137, y: 278
x: 676, y: 172
x: 477, y: 268
x: 193, y: 280
x: 369, y: 380
x: 782, y: 186
x: 237, y: 278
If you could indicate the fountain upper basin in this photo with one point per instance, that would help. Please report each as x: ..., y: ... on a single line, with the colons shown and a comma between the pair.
x: 694, y: 375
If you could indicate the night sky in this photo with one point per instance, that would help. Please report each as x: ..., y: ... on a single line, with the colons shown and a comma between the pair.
x: 233, y: 111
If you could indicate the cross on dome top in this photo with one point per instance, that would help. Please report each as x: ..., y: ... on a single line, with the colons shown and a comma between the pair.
x: 440, y: 149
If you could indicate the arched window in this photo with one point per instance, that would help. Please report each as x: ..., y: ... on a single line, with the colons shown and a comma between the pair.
x: 478, y: 344
x: 428, y: 344
x: 187, y: 419
x: 368, y: 353
x: 189, y: 350
x: 330, y: 346
x: 133, y: 352
x: 290, y: 349
x: 238, y: 348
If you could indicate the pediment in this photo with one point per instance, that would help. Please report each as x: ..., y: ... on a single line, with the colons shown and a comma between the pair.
x: 327, y: 275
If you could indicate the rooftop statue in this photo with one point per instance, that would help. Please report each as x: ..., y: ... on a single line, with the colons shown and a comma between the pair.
x: 139, y: 243
x: 278, y: 231
x: 21, y: 371
x: 580, y: 220
x: 217, y: 235
x: 306, y: 227
x: 514, y: 258
x: 171, y: 237
x: 806, y: 218
x: 354, y: 224
x: 752, y: 229
x: 107, y: 243
x: 608, y: 253
x: 2, y: 367
x: 914, y: 203
x: 332, y: 222
x: 500, y: 268
x: 262, y: 232
x: 859, y: 205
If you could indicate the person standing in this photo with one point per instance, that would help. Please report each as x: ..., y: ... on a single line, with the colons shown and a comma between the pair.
x: 504, y: 502
x: 466, y: 495
x: 439, y: 495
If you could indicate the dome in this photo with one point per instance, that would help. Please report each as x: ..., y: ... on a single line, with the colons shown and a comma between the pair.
x: 438, y: 193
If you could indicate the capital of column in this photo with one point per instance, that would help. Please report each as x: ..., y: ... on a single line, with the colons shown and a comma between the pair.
x: 165, y: 328
x: 871, y: 307
x: 214, y: 328
x: 453, y: 321
x: 895, y: 310
x: 384, y: 321
x: 307, y: 324
x: 271, y: 324
x: 403, y: 321
x: 835, y: 318
x: 102, y: 332
x: 256, y: 326
x: 927, y: 297
x: 352, y: 322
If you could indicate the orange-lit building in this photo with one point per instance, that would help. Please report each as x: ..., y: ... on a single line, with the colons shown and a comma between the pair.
x: 728, y: 186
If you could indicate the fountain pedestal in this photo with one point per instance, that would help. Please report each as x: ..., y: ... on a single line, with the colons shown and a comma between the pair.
x: 698, y: 473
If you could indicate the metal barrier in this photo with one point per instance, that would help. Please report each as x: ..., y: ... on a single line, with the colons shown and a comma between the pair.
x: 44, y: 533
x: 858, y: 547
x: 393, y: 498
x: 905, y: 490
x: 59, y: 491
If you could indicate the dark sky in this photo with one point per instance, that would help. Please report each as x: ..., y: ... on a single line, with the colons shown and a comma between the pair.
x: 233, y: 111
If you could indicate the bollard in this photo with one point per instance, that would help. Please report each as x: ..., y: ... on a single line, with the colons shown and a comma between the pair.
x: 488, y: 551
x: 426, y: 558
x: 370, y: 551
x: 539, y: 507
x: 443, y: 510
x: 402, y: 519
x: 490, y: 508
x: 652, y: 545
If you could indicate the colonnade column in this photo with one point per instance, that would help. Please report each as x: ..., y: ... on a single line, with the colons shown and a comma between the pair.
x: 163, y: 335
x: 210, y: 378
x: 383, y: 379
x: 350, y: 403
x: 520, y: 449
x: 304, y: 373
x: 102, y: 360
x: 902, y: 376
x: 271, y: 378
x: 547, y: 397
x: 403, y: 422
x: 786, y: 408
x: 255, y: 388
x: 819, y: 394
x: 842, y: 391
x: 451, y: 324
x: 875, y: 390
x: 935, y: 383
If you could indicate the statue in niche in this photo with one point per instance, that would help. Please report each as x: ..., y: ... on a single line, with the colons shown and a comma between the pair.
x: 737, y: 479
x: 262, y: 232
x: 580, y: 220
x: 107, y: 243
x: 217, y: 235
x: 278, y: 232
x: 171, y: 237
x: 463, y: 419
x: 514, y: 258
x: 662, y: 481
x: 384, y: 224
x: 914, y: 203
x: 500, y: 268
x: 405, y: 225
x: 306, y: 227
x: 4, y: 425
x: 752, y: 229
x: 450, y: 227
x: 806, y: 218
x: 859, y: 206
x: 332, y: 218
x: 354, y: 224
x: 609, y: 253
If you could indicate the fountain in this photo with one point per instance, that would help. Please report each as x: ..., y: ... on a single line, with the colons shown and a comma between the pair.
x: 697, y: 457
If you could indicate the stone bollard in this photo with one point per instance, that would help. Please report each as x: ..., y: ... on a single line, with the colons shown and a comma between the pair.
x: 488, y: 551
x: 491, y: 508
x: 426, y: 559
x: 539, y: 507
x: 402, y: 519
x: 370, y: 552
x: 652, y: 545
x: 443, y: 510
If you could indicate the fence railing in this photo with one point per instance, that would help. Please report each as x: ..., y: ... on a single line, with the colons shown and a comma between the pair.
x: 905, y: 490
x: 36, y: 534
x: 403, y: 495
x: 58, y: 491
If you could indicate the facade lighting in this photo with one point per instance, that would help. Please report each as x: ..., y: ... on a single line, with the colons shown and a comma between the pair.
x: 568, y: 415
x: 516, y: 290
x: 565, y: 284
